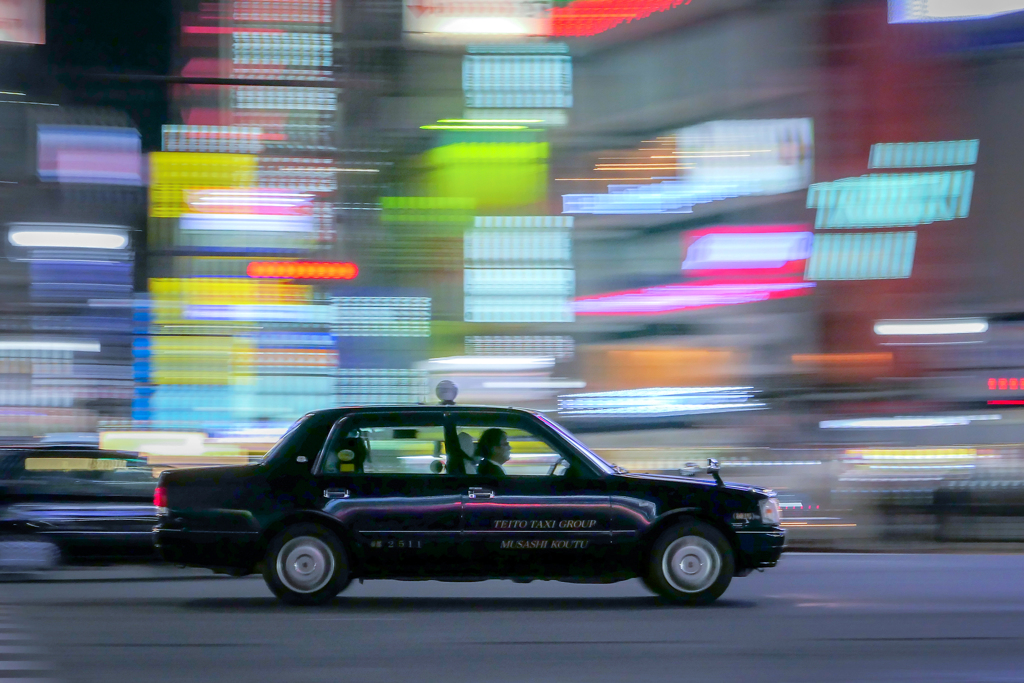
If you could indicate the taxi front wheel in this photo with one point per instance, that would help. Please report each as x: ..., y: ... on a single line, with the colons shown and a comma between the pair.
x: 306, y: 564
x: 691, y: 563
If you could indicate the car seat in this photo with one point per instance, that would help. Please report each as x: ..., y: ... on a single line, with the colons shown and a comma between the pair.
x: 468, y: 447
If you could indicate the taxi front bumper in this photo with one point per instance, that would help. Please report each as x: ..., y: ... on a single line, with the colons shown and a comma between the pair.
x: 761, y: 548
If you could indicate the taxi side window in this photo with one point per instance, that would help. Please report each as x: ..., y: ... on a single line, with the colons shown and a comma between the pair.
x: 530, y: 455
x: 386, y: 449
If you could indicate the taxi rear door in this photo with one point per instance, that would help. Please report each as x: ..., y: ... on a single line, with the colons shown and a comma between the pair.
x: 404, y: 519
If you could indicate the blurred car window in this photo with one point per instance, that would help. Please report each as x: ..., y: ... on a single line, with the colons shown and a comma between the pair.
x: 90, y: 466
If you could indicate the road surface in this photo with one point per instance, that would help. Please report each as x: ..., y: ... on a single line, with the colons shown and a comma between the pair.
x: 814, y: 618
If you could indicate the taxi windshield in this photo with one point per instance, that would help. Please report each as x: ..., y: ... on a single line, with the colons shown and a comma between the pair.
x: 605, y: 466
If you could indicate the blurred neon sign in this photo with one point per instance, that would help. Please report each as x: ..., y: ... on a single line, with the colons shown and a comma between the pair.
x: 862, y: 256
x: 708, y: 162
x: 89, y: 154
x: 744, y: 248
x: 912, y: 11
x: 923, y: 154
x: 591, y: 17
x: 246, y: 222
x: 302, y: 270
x: 67, y: 236
x: 453, y: 18
x: 1005, y: 384
x: 898, y: 199
x: 249, y: 200
x: 682, y: 297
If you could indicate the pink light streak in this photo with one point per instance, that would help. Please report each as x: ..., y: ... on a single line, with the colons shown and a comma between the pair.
x: 228, y: 29
x: 683, y: 297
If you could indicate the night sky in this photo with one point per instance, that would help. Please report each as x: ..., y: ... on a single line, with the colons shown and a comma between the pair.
x: 87, y: 39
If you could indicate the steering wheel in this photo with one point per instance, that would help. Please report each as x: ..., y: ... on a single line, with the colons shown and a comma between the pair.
x: 551, y: 472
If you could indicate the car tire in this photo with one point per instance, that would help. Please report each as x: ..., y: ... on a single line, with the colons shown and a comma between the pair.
x: 306, y: 564
x: 691, y: 563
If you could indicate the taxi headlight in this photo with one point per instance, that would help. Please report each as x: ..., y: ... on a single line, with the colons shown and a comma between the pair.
x: 771, y: 513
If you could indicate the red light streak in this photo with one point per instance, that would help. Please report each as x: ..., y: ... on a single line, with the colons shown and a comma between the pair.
x: 591, y: 17
x: 302, y: 270
x: 1006, y: 403
x: 1005, y: 384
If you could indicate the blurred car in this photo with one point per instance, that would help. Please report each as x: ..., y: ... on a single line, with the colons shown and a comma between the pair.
x: 376, y: 493
x: 65, y: 503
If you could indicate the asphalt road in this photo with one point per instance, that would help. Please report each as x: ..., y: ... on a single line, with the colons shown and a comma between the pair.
x: 935, y: 618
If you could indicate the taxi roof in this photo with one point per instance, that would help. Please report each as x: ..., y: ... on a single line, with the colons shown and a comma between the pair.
x: 423, y: 407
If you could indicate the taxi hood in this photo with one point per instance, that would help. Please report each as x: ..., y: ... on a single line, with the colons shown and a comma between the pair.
x: 694, y: 481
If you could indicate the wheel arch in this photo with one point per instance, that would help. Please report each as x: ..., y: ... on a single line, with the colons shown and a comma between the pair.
x: 675, y: 516
x: 310, y: 517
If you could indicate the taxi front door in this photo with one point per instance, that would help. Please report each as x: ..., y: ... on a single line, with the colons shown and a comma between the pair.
x: 536, y: 526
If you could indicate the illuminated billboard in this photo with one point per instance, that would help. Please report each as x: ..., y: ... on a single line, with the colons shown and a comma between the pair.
x: 471, y: 19
x: 22, y: 21
x: 760, y: 156
x: 89, y: 154
x: 707, y: 162
x: 862, y: 256
x: 892, y: 199
x: 746, y: 250
x: 912, y: 11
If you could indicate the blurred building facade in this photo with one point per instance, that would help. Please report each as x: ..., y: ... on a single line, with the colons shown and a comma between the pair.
x: 630, y: 214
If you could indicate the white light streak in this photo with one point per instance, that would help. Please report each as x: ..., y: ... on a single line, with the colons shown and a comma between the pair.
x: 907, y: 421
x: 931, y: 327
x: 494, y: 363
x: 246, y: 222
x: 273, y: 199
x: 553, y: 384
x: 747, y: 250
x: 69, y: 239
x: 487, y: 26
x: 660, y: 401
x: 36, y: 345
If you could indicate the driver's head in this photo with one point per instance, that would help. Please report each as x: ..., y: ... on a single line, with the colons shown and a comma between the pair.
x: 493, y: 445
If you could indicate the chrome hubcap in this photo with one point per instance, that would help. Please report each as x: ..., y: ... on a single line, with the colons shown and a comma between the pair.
x: 305, y: 564
x: 691, y: 564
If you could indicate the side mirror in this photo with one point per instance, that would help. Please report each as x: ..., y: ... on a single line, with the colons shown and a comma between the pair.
x: 713, y: 469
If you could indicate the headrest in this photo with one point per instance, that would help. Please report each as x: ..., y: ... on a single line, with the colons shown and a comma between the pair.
x: 466, y: 443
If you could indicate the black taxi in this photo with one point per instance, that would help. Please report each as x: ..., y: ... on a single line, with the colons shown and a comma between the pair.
x: 459, y: 493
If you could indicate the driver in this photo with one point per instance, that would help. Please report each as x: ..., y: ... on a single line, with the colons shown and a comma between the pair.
x: 493, y: 451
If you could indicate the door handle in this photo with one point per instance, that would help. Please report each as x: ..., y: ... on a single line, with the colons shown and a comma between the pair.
x: 480, y: 492
x: 335, y: 493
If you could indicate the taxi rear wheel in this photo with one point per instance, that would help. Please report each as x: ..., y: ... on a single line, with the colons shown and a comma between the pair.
x: 691, y: 563
x: 306, y: 564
